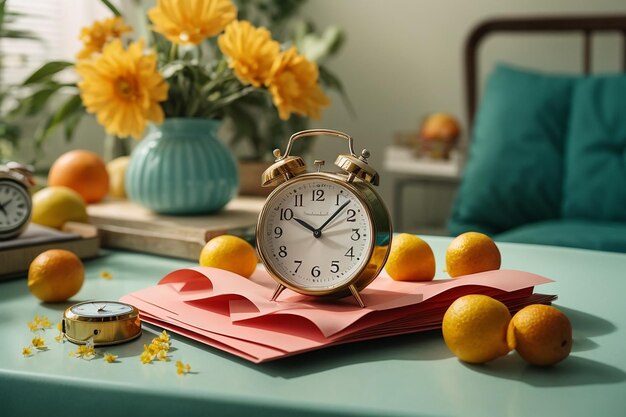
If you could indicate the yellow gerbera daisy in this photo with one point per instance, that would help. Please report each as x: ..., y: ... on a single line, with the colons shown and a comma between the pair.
x: 250, y: 51
x: 123, y: 88
x: 189, y: 22
x: 294, y: 88
x: 99, y: 34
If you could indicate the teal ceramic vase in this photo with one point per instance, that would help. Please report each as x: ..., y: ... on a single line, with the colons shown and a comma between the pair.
x: 180, y: 167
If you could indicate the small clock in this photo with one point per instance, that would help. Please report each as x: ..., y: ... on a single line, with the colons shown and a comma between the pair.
x: 15, y: 200
x: 323, y: 233
x: 102, y: 322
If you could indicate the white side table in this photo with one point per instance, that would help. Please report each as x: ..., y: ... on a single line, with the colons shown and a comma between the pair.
x: 428, y: 173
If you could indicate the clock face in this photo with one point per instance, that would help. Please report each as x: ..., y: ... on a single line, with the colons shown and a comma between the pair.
x: 316, y: 234
x: 15, y: 206
x: 101, y: 309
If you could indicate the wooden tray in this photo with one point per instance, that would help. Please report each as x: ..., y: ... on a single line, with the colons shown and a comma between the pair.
x: 125, y: 225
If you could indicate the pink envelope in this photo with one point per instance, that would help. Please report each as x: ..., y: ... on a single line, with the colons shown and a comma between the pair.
x: 235, y: 314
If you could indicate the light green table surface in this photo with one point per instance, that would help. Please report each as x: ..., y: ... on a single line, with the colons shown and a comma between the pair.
x: 411, y: 375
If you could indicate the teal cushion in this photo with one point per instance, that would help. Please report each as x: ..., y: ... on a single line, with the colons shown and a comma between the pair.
x: 514, y: 172
x: 596, y: 235
x: 595, y: 162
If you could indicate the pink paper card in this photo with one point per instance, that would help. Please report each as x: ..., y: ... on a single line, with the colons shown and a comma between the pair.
x: 235, y: 314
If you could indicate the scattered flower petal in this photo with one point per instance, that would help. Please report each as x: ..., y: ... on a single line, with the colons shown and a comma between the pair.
x: 110, y: 358
x: 38, y: 342
x: 59, y: 338
x: 146, y: 357
x: 182, y: 368
x: 27, y: 351
x: 86, y: 352
x: 106, y: 275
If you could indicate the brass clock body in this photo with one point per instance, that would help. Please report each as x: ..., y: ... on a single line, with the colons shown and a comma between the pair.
x: 324, y: 234
x: 101, y: 322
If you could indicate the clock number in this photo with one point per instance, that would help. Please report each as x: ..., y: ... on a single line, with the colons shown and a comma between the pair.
x: 317, y: 195
x: 350, y: 253
x: 355, y: 235
x: 315, y: 271
x: 334, y: 266
x: 282, y: 251
x: 297, y: 267
x: 337, y: 203
x: 298, y: 198
x: 286, y: 214
x: 351, y: 215
x: 278, y: 232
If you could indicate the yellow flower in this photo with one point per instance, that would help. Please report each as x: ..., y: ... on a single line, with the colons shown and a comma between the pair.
x: 84, y: 351
x: 38, y: 342
x: 60, y: 326
x: 251, y: 51
x: 39, y: 323
x: 163, y: 337
x: 110, y: 358
x: 99, y: 34
x: 146, y: 357
x: 27, y: 351
x: 186, y: 22
x: 59, y: 338
x: 106, y: 275
x: 123, y: 88
x: 162, y: 356
x: 181, y: 368
x: 294, y: 88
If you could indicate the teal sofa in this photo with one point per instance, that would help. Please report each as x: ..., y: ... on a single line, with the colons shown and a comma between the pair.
x: 547, y: 161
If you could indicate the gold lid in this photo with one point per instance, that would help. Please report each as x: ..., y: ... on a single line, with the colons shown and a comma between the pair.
x: 283, y: 170
x: 358, y: 167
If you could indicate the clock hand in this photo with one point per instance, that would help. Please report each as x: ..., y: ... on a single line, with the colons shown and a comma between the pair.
x: 335, y: 214
x: 305, y: 224
x: 316, y: 233
x: 102, y: 308
x: 3, y: 209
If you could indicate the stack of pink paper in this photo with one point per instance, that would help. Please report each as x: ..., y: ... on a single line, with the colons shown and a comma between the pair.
x: 234, y: 314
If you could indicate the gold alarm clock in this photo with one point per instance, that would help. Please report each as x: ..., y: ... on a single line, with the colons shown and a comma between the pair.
x: 15, y: 202
x: 323, y: 233
x: 101, y: 323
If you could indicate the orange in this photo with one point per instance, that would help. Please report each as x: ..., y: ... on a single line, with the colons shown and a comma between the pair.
x: 82, y: 171
x: 410, y: 259
x: 55, y: 275
x: 230, y: 253
x: 117, y: 175
x: 440, y: 126
x: 474, y: 328
x: 53, y: 206
x: 470, y: 253
x: 541, y: 334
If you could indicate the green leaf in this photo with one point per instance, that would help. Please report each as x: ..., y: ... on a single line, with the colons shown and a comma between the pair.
x: 111, y: 7
x: 332, y: 82
x: 46, y: 71
x: 70, y: 107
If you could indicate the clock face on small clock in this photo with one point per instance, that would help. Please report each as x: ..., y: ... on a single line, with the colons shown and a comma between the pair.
x: 101, y: 309
x: 15, y: 206
x: 316, y: 233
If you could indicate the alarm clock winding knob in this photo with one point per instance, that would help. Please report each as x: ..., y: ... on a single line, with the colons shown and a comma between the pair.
x: 358, y: 167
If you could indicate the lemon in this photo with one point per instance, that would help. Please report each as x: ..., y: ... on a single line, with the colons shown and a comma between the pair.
x: 541, y: 334
x: 471, y: 253
x: 475, y: 328
x: 117, y: 172
x: 410, y: 259
x: 230, y: 253
x: 53, y: 206
x: 55, y: 275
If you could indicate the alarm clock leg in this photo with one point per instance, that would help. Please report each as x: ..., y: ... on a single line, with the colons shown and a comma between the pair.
x: 280, y: 288
x: 356, y: 295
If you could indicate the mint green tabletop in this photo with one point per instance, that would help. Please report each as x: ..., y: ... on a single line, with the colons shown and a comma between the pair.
x: 411, y: 375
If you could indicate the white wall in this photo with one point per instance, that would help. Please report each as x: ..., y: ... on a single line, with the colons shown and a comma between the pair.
x: 403, y: 59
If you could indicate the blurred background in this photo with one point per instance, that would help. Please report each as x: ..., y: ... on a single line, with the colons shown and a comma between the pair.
x: 399, y: 61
